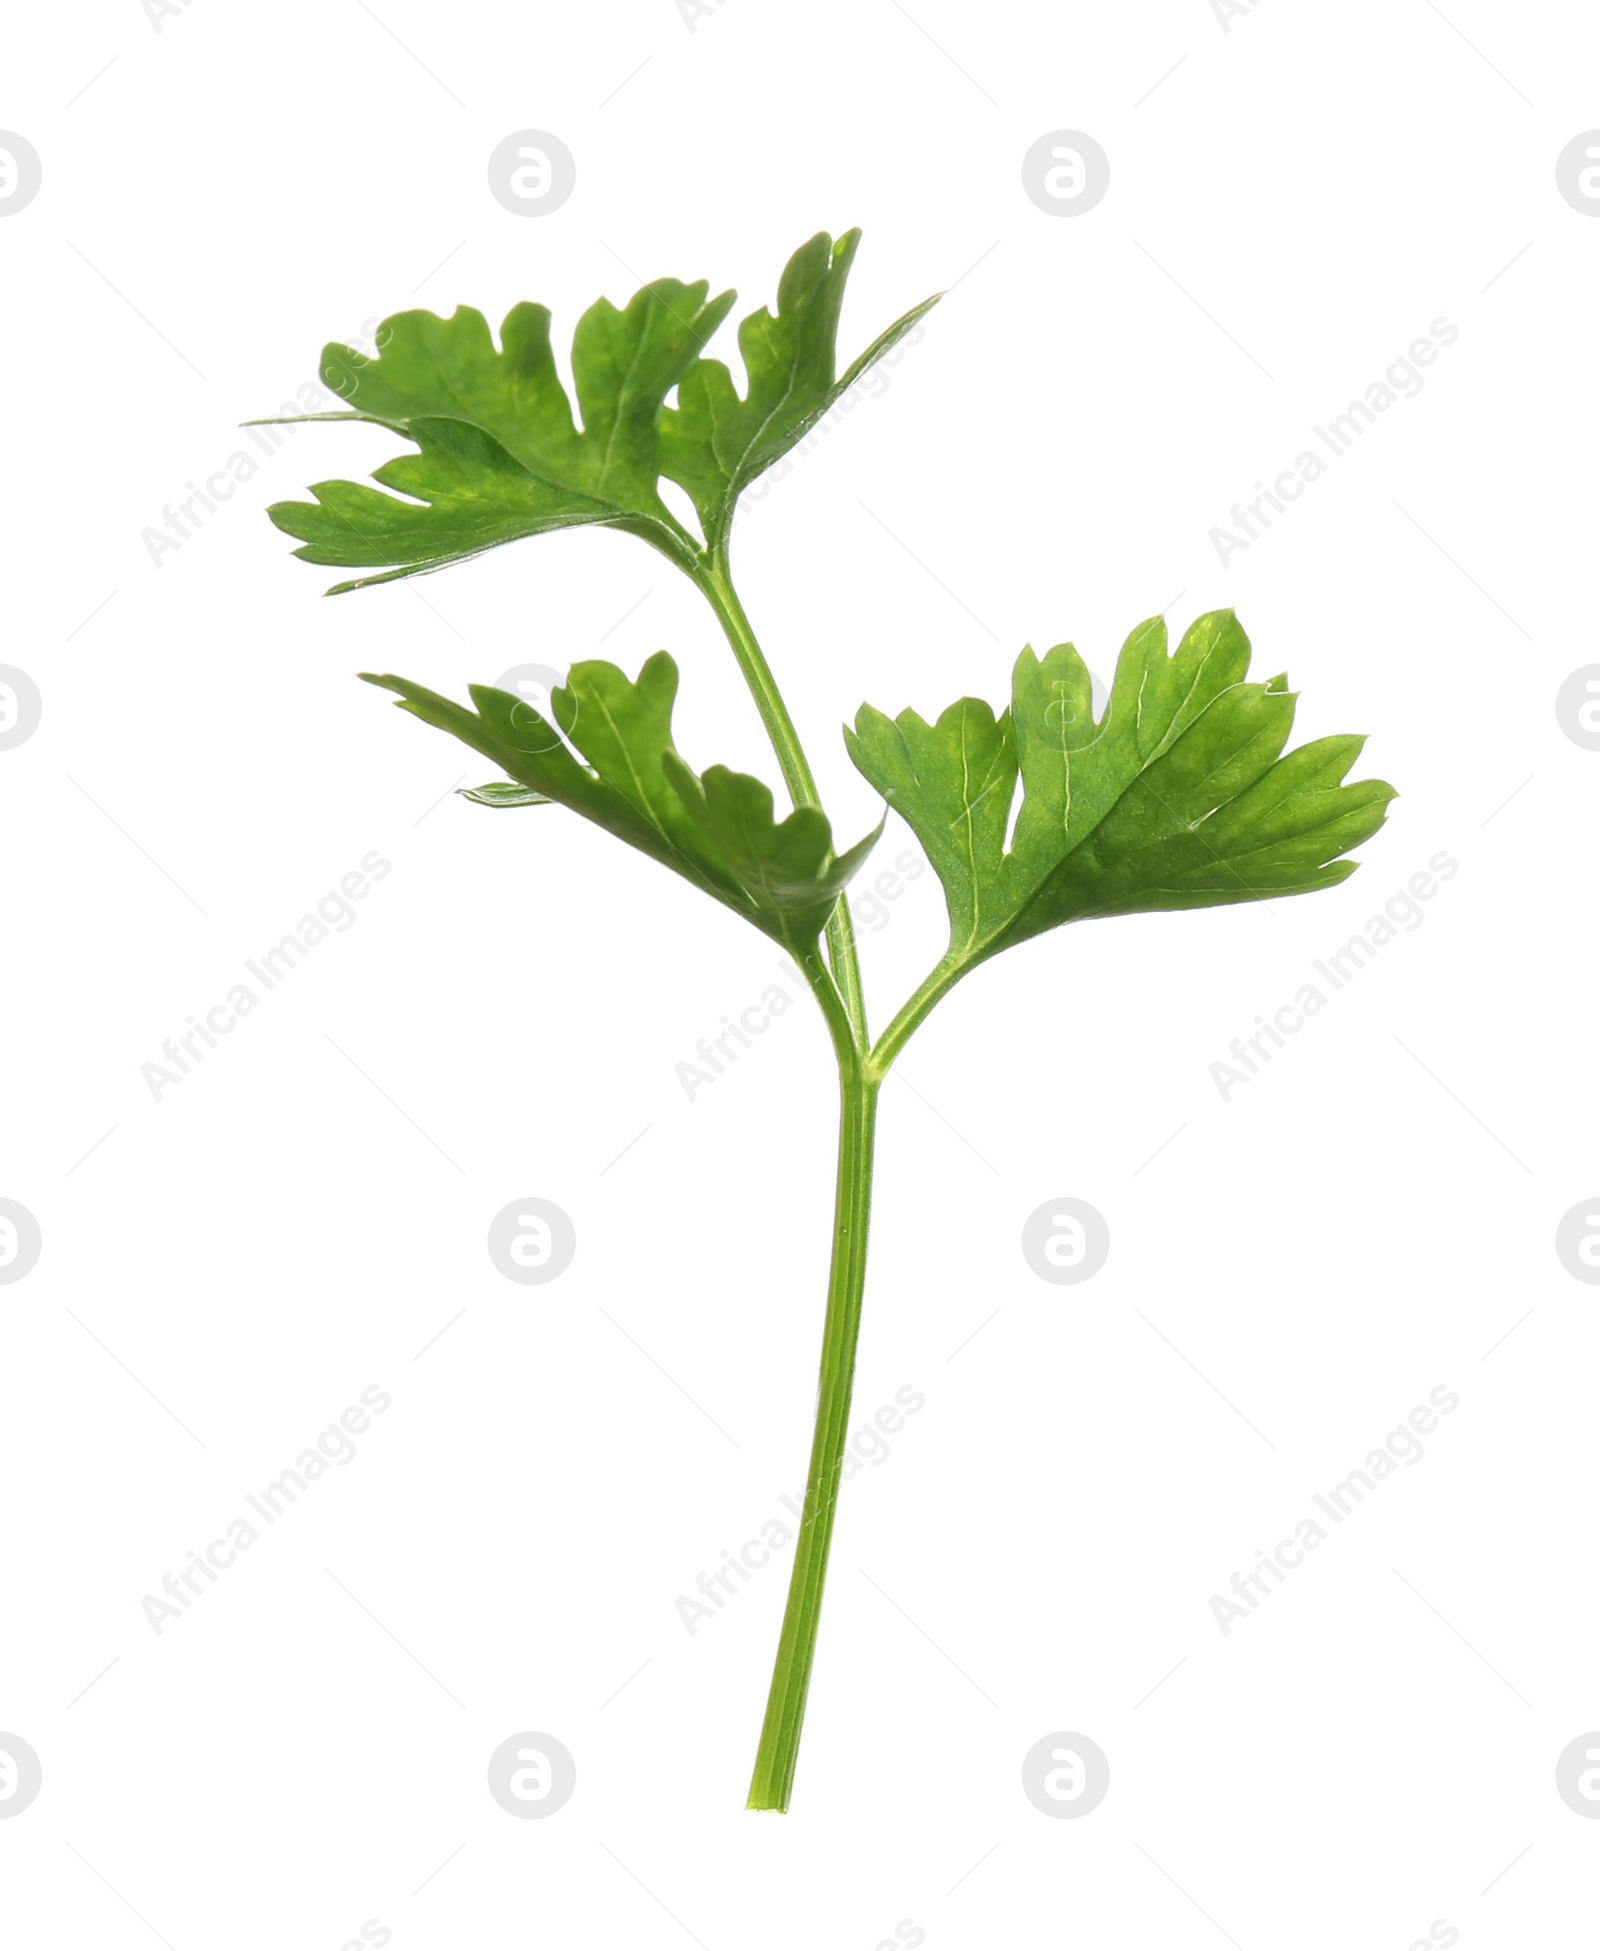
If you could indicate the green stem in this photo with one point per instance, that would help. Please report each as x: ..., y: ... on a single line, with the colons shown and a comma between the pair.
x: 786, y: 1702
x: 844, y: 1007
x: 916, y: 1008
x: 716, y: 585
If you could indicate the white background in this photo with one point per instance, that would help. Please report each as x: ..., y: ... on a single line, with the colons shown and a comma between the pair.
x: 229, y: 1267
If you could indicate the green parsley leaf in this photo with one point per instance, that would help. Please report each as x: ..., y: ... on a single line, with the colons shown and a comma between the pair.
x: 500, y: 457
x: 1176, y: 798
x: 713, y: 444
x: 504, y: 792
x: 609, y: 756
